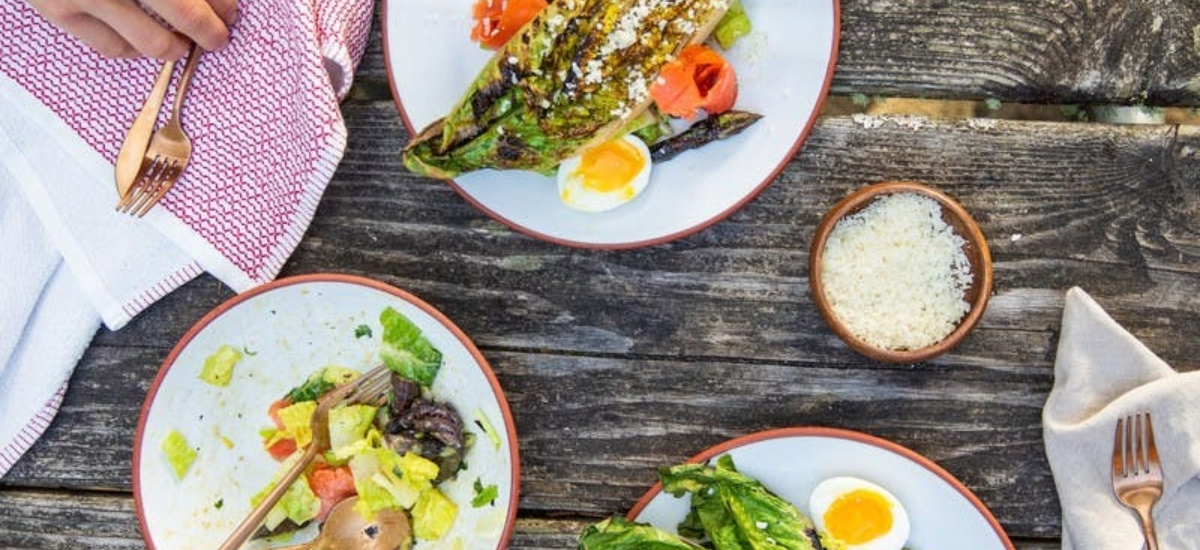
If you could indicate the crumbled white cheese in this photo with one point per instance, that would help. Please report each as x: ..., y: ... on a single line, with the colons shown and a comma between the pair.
x: 895, y: 273
x: 594, y: 74
x: 638, y: 91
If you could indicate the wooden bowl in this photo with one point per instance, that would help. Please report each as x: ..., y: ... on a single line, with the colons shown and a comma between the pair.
x: 975, y: 248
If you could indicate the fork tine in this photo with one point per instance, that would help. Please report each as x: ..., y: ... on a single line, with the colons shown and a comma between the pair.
x: 1130, y: 457
x: 1151, y: 449
x: 373, y: 388
x: 170, y: 176
x: 150, y: 173
x: 1118, y: 456
x: 1140, y: 446
x: 152, y: 189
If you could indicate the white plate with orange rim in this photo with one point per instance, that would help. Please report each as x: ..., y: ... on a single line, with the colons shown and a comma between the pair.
x: 784, y: 68
x: 288, y: 329
x: 790, y: 462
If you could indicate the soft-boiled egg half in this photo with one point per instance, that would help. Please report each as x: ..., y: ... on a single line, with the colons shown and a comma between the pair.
x: 605, y: 176
x: 859, y: 514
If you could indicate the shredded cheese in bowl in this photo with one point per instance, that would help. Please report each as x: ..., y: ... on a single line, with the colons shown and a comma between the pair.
x: 895, y: 273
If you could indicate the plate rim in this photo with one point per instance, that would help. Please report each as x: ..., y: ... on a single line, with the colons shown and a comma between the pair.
x: 715, y: 219
x: 355, y: 280
x: 833, y: 433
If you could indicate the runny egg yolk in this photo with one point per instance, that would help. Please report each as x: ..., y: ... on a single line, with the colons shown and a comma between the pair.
x: 858, y: 516
x: 609, y: 166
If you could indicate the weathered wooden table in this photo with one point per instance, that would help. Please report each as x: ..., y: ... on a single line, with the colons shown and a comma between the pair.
x: 618, y: 362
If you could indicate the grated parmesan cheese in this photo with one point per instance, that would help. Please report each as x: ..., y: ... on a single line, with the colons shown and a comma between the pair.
x: 895, y: 273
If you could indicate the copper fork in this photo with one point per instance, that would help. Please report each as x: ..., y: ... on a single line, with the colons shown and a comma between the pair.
x: 369, y: 389
x: 167, y: 156
x: 1137, y: 475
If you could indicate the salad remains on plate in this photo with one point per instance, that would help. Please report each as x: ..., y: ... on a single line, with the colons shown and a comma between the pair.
x: 392, y: 457
x: 591, y: 90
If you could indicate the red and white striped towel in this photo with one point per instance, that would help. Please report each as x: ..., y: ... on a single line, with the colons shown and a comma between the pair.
x: 267, y: 132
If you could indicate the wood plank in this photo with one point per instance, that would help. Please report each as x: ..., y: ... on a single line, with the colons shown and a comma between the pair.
x: 60, y: 521
x: 1056, y: 51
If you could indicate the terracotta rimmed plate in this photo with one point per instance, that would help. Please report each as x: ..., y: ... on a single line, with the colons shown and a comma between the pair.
x: 288, y: 329
x: 975, y: 248
x: 945, y: 515
x: 784, y: 69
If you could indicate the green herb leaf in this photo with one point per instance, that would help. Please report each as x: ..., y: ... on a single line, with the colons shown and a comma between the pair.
x: 310, y: 390
x: 362, y: 331
x: 484, y: 494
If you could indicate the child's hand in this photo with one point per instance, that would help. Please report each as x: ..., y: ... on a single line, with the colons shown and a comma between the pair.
x: 121, y: 28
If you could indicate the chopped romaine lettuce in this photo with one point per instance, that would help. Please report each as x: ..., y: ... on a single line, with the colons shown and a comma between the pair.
x: 179, y: 454
x: 433, y: 515
x: 298, y: 504
x: 381, y: 482
x: 619, y: 534
x: 406, y: 351
x: 218, y: 367
x: 404, y: 494
x: 734, y: 25
x: 484, y: 495
x: 338, y: 375
x: 297, y: 422
x: 418, y: 470
x: 349, y: 424
x: 339, y: 455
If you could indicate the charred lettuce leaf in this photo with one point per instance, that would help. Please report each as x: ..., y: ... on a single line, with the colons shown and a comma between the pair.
x: 618, y: 534
x: 736, y: 511
x: 574, y: 76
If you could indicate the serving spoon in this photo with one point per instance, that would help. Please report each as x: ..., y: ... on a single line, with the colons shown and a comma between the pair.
x: 345, y: 529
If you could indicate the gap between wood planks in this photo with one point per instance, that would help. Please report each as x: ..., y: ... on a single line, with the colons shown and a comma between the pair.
x: 368, y: 90
x: 849, y: 105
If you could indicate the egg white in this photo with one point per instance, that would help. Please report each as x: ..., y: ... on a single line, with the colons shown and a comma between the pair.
x: 575, y: 194
x: 829, y: 490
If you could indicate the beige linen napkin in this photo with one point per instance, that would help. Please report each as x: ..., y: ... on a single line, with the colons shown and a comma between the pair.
x: 1102, y: 373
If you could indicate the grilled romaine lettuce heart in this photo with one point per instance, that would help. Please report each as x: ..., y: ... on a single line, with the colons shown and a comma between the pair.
x: 574, y: 76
